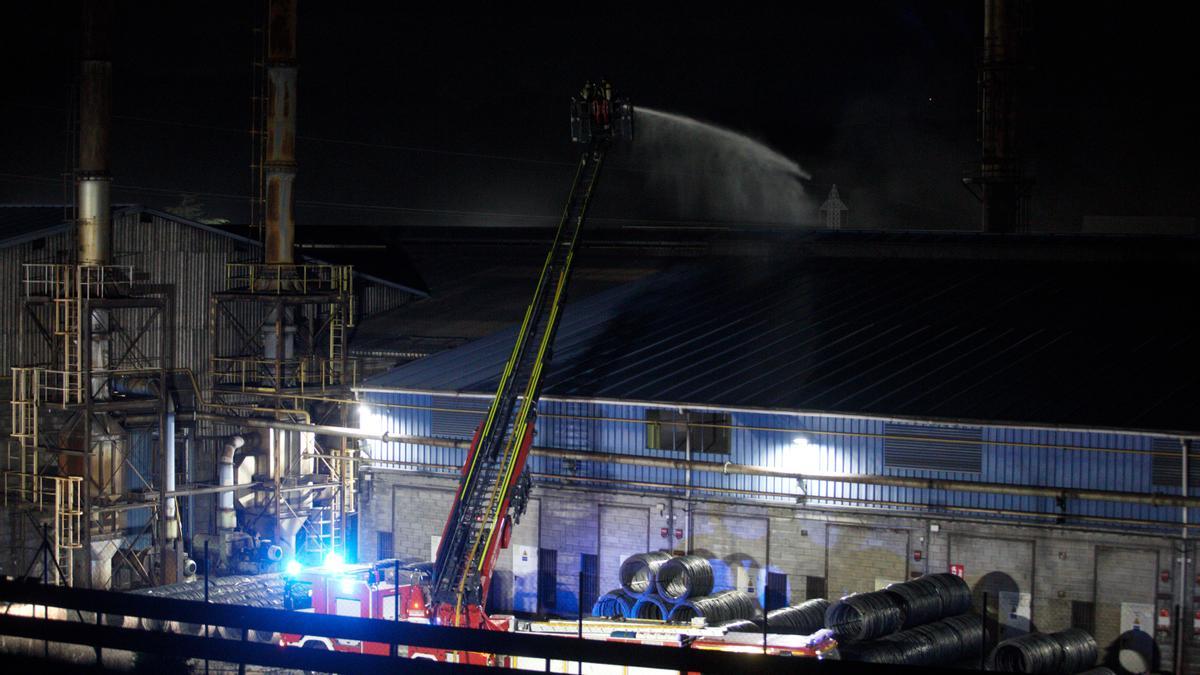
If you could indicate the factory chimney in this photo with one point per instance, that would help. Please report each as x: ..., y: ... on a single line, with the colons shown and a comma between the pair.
x: 280, y: 152
x: 1001, y: 183
x: 92, y: 179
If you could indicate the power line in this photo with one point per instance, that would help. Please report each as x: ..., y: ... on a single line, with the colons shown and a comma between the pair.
x: 337, y: 141
x: 390, y: 208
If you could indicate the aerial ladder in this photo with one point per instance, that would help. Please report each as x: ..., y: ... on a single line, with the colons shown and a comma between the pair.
x: 492, y: 488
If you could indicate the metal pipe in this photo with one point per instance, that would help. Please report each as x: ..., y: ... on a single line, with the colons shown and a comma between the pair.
x: 442, y: 471
x: 1185, y: 484
x: 746, y: 469
x: 950, y: 422
x: 226, y: 516
x: 92, y: 179
x: 280, y: 155
x: 172, y: 525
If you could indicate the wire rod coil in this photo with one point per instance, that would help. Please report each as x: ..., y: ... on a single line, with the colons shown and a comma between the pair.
x: 864, y: 616
x: 803, y: 619
x: 638, y: 572
x: 615, y: 604
x: 685, y: 576
x: 1079, y: 649
x: 717, y: 608
x: 650, y: 607
x: 1032, y: 653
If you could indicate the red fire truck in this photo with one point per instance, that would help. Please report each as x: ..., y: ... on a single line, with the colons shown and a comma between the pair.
x: 370, y: 591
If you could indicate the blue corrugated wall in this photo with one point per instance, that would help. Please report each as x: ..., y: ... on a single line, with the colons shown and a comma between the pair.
x: 1043, y: 457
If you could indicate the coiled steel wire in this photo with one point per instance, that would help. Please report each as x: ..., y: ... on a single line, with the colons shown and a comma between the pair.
x: 931, y: 644
x: 614, y: 604
x: 864, y: 616
x: 955, y: 593
x: 639, y: 571
x: 919, y: 599
x: 1079, y: 649
x: 1099, y: 670
x: 941, y: 643
x: 970, y: 632
x: 717, y: 608
x: 684, y: 576
x: 741, y: 626
x: 880, y: 651
x: 803, y: 619
x: 650, y: 607
x: 1032, y: 653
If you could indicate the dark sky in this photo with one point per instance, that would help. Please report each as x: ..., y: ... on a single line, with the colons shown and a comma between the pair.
x: 440, y: 119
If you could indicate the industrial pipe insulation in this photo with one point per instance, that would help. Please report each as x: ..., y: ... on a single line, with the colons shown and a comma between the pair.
x: 1154, y: 499
x: 226, y: 516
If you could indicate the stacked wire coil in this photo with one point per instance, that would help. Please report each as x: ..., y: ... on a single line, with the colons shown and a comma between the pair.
x: 639, y: 572
x: 685, y: 576
x: 803, y: 619
x: 864, y: 616
x: 717, y: 608
x: 1031, y: 653
x: 615, y: 604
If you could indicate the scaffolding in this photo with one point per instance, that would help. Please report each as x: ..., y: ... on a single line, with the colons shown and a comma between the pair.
x: 278, y: 334
x: 93, y: 339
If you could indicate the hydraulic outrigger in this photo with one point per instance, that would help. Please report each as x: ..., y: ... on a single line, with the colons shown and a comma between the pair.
x: 493, y: 489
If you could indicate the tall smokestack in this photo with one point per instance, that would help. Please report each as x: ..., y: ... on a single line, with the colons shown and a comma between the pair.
x: 92, y: 177
x: 280, y: 157
x: 1004, y: 187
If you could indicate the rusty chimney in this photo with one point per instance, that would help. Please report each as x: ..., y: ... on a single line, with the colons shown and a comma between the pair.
x: 1003, y: 185
x: 280, y: 158
x: 92, y: 179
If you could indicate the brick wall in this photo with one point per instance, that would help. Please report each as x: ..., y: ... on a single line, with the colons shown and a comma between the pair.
x: 862, y: 559
x: 624, y: 531
x: 851, y: 552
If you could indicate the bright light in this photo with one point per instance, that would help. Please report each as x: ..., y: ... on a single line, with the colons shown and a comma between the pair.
x: 293, y: 567
x: 363, y: 410
x: 347, y: 585
x: 334, y: 561
x: 800, y: 456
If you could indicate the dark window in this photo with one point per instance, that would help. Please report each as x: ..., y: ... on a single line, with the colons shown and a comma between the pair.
x: 1167, y: 466
x: 385, y: 549
x: 1083, y: 615
x: 932, y: 448
x: 457, y: 417
x: 776, y: 593
x: 547, y: 579
x: 589, y: 581
x: 671, y: 430
x: 814, y: 587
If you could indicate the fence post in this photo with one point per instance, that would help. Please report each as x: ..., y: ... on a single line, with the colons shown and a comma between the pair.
x: 396, y: 601
x: 206, y: 596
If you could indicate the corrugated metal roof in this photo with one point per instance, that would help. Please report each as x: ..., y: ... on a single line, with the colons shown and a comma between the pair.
x: 1064, y: 343
x: 22, y: 222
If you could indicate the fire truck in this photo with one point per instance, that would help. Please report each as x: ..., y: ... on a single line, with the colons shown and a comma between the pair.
x: 493, y: 488
x: 390, y: 591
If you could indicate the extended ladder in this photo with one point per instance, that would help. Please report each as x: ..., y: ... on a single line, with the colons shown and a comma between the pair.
x: 497, y: 454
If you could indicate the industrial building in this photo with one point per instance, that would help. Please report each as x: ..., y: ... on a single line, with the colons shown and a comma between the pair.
x: 228, y: 440
x: 827, y: 424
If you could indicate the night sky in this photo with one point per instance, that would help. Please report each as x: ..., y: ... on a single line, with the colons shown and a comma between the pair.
x: 409, y: 118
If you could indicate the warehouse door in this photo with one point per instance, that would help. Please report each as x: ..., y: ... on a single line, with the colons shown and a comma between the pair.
x: 1125, y: 585
x: 624, y: 531
x: 737, y: 548
x: 1003, y: 570
x: 863, y: 559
